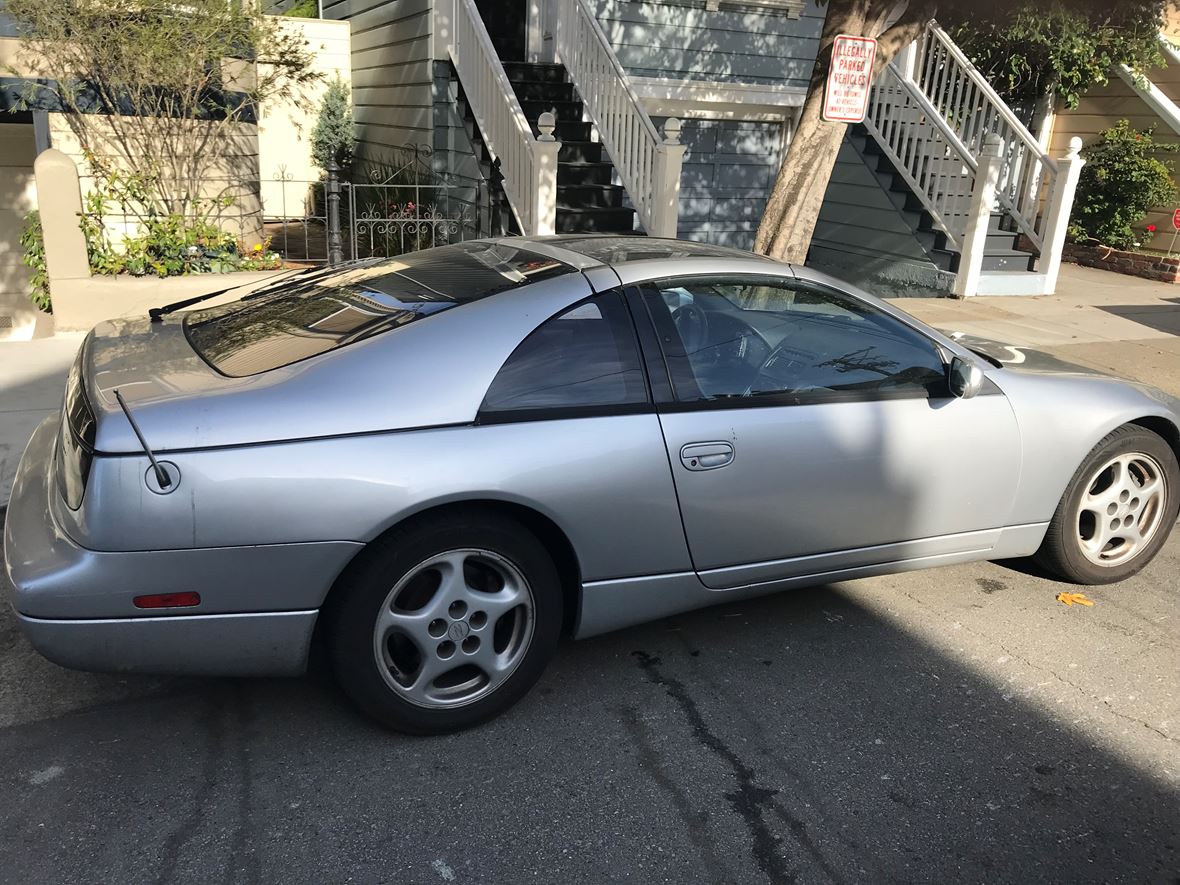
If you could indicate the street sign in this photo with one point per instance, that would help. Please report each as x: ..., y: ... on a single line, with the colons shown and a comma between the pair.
x: 1176, y: 219
x: 846, y: 94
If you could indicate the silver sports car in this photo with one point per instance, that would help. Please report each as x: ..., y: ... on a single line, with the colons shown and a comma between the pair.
x: 439, y: 465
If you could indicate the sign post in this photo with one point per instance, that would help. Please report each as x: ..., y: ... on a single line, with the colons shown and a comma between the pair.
x: 1175, y: 230
x: 846, y: 94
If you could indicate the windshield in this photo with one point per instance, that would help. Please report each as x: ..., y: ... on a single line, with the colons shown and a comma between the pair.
x: 305, y: 318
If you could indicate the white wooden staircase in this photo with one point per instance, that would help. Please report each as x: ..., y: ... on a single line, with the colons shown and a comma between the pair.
x: 997, y: 199
x: 517, y: 109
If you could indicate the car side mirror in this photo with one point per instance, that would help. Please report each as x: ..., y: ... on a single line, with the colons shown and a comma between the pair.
x: 964, y: 378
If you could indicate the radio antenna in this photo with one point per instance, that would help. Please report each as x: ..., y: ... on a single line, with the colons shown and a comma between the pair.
x: 162, y: 476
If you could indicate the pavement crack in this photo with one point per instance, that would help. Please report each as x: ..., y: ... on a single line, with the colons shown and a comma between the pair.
x: 214, y: 729
x: 749, y: 800
x: 695, y: 821
x: 242, y: 858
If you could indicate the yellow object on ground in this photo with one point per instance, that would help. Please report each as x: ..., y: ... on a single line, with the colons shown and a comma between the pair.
x: 1074, y: 599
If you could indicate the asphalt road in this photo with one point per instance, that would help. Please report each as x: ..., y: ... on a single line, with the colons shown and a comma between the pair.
x: 957, y: 725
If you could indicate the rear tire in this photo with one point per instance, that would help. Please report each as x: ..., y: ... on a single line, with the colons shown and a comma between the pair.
x: 1117, y: 511
x: 445, y: 622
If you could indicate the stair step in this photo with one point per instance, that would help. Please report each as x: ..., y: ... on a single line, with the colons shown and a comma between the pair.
x: 584, y: 173
x: 597, y: 220
x: 1001, y: 223
x: 543, y: 89
x: 1007, y: 259
x: 1003, y: 240
x: 580, y: 152
x: 523, y: 70
x: 588, y: 196
x: 570, y: 111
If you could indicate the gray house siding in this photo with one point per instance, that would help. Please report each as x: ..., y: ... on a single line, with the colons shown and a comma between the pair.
x: 392, y: 72
x: 862, y: 236
x: 728, y: 169
x: 682, y: 42
x: 453, y: 151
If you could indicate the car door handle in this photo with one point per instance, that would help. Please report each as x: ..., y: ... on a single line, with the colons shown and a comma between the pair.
x: 706, y: 455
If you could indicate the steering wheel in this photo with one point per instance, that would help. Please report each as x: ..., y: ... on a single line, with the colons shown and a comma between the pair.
x: 693, y: 325
x: 777, y: 353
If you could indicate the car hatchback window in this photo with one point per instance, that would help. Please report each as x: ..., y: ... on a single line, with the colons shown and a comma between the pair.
x: 307, y: 317
x: 585, y: 359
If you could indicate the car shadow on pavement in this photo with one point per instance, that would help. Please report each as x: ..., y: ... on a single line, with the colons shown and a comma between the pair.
x: 1164, y: 317
x: 799, y: 737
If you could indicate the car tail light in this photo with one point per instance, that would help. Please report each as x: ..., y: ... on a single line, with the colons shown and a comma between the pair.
x: 167, y: 600
x: 75, y: 444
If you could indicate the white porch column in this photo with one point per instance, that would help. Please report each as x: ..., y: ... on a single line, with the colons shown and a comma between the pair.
x: 983, y: 202
x: 666, y: 182
x: 907, y: 60
x: 1057, y: 212
x: 542, y: 16
x: 545, y: 150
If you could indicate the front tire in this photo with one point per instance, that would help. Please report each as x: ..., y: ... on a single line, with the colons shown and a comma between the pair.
x: 446, y: 622
x: 1117, y: 511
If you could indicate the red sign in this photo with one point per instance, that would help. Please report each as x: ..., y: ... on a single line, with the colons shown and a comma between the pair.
x: 1176, y: 219
x: 846, y: 95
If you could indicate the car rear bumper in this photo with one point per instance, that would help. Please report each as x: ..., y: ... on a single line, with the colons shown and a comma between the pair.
x: 256, y: 644
x: 258, y: 610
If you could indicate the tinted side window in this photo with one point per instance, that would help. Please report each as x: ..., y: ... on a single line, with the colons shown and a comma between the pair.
x: 583, y: 359
x: 738, y: 339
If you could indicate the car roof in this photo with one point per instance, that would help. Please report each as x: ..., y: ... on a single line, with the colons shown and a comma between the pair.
x: 616, y: 249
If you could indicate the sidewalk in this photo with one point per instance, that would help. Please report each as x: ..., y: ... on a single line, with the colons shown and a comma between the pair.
x: 1123, y: 325
x: 1114, y: 323
x: 32, y: 381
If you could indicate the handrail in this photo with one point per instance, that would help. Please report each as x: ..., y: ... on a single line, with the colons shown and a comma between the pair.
x: 990, y: 93
x: 528, y: 165
x: 648, y: 166
x: 962, y: 98
x: 924, y: 150
x: 993, y: 97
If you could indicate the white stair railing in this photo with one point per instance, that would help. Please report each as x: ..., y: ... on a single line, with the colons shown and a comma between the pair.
x: 970, y: 108
x: 528, y: 163
x: 648, y: 164
x: 927, y: 153
x: 963, y: 154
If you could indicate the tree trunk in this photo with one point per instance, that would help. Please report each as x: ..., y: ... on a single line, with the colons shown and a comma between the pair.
x: 798, y: 192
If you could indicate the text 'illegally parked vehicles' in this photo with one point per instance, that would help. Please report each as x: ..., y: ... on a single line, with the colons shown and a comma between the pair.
x: 443, y: 463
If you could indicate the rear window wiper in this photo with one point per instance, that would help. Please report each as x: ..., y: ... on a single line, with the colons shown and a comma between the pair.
x: 306, y: 275
x: 156, y: 314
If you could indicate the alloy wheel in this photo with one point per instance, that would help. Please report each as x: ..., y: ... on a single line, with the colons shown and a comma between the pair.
x: 454, y: 628
x: 1122, y: 508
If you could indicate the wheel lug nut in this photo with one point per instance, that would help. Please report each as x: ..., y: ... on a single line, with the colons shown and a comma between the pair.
x: 458, y: 609
x: 437, y: 628
x: 445, y: 649
x: 478, y: 620
x: 470, y: 645
x: 1112, y: 509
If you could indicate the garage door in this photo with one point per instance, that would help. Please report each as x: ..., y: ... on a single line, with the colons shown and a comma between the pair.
x: 17, y: 197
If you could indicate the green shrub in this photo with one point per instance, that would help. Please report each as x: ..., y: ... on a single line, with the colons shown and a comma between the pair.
x: 32, y: 240
x: 1121, y: 181
x: 332, y: 137
x: 165, y: 243
x: 302, y: 9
